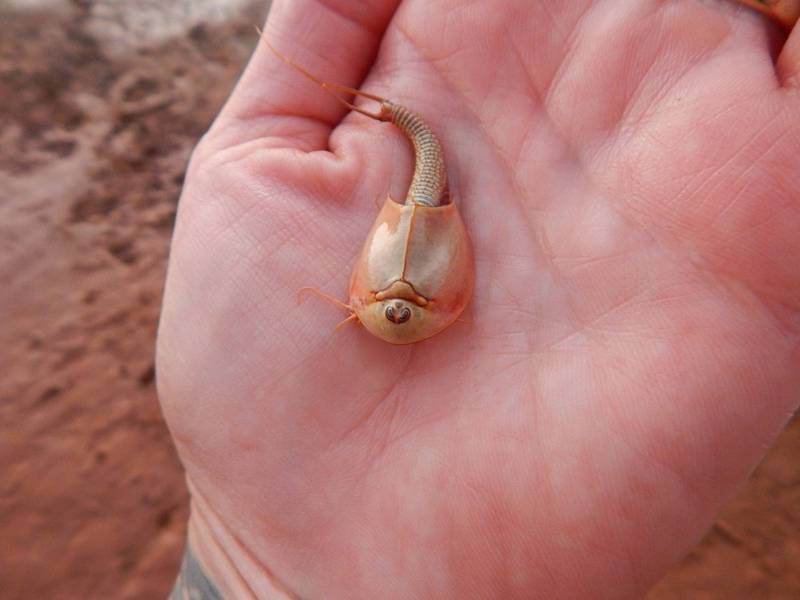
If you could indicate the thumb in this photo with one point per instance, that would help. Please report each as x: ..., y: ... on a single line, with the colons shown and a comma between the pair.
x: 336, y: 40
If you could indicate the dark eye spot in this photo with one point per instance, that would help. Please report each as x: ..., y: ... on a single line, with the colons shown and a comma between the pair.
x: 398, y: 313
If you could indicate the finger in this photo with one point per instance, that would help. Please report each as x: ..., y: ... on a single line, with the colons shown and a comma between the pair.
x: 784, y: 12
x: 788, y: 65
x: 336, y: 40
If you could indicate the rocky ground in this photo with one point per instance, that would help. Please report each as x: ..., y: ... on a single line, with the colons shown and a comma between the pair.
x: 100, y: 105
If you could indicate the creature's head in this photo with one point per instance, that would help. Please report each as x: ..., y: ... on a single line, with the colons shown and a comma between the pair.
x: 399, y: 321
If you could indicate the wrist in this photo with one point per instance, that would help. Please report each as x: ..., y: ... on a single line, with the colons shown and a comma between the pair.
x: 215, y: 562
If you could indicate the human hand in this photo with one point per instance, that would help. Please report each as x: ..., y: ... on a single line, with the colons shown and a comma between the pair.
x: 629, y: 175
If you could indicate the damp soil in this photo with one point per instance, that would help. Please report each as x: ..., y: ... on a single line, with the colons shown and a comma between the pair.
x: 100, y: 107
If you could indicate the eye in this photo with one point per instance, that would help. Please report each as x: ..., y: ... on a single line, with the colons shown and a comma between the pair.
x: 397, y: 313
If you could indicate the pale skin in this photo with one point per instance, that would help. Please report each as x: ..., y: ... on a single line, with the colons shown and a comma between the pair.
x: 629, y: 175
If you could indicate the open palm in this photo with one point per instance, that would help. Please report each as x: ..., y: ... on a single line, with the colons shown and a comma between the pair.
x: 629, y: 174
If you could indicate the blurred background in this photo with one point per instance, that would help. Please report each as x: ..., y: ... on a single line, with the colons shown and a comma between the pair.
x: 101, y: 102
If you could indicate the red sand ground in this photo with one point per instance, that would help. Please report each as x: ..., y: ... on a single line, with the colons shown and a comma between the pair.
x: 100, y: 106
